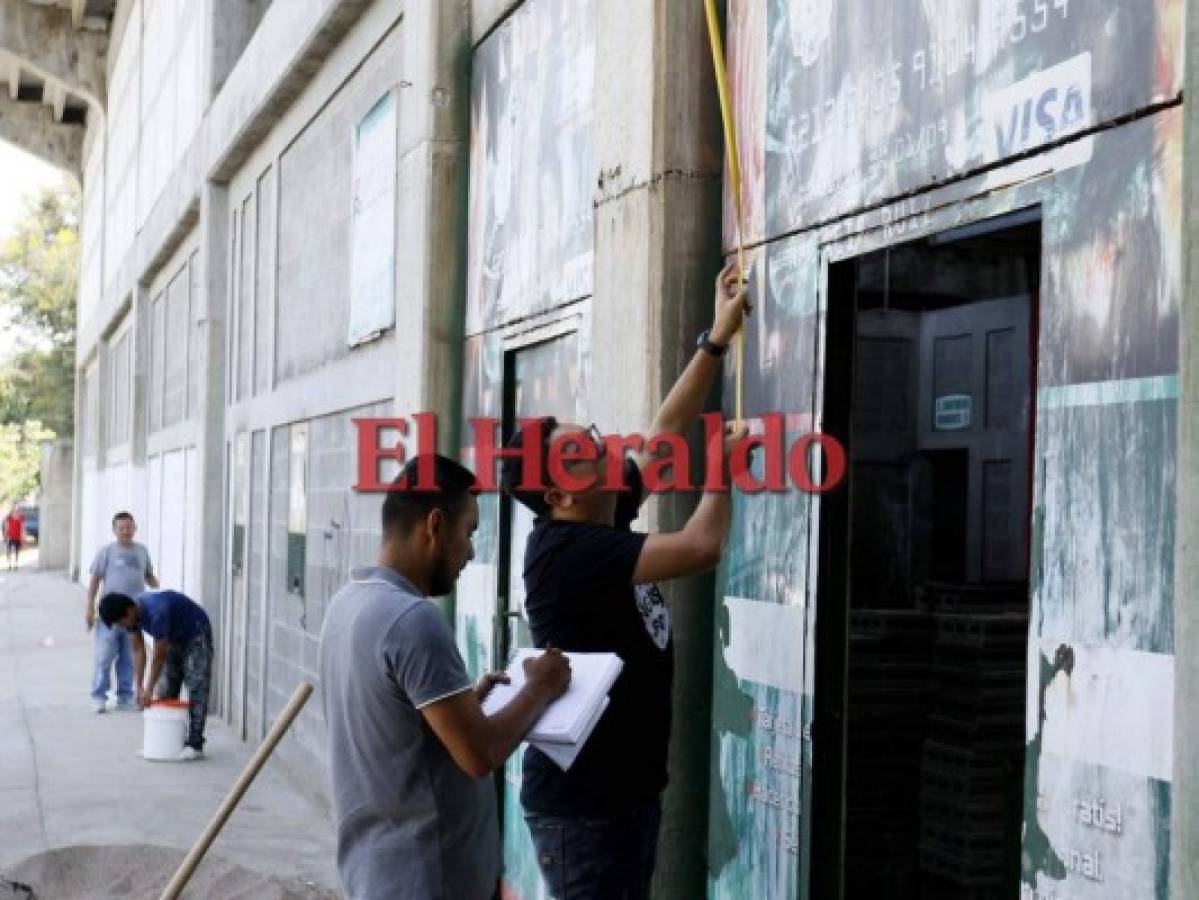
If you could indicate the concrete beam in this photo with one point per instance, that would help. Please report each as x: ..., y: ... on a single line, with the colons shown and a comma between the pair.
x: 485, y: 15
x: 92, y: 14
x: 283, y: 56
x: 230, y: 23
x: 31, y: 127
x: 45, y: 39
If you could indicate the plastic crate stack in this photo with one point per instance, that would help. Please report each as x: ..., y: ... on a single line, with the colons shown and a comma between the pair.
x: 889, y: 670
x: 971, y: 770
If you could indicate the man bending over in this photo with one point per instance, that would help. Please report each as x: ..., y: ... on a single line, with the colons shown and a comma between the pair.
x: 182, y: 652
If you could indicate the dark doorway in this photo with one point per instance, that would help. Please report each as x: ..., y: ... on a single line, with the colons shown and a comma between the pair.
x: 922, y: 607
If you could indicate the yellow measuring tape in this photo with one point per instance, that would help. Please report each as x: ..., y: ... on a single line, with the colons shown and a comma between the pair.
x: 730, y: 149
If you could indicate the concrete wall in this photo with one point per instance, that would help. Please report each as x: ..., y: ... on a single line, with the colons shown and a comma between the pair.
x: 156, y: 278
x: 218, y: 283
x: 290, y: 202
x: 153, y: 115
x: 56, y: 468
x: 315, y: 188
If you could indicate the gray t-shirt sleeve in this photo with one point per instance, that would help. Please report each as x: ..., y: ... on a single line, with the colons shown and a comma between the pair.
x: 100, y: 563
x: 149, y: 567
x: 423, y: 658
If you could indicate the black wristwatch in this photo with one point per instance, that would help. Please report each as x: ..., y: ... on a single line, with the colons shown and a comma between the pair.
x: 705, y: 343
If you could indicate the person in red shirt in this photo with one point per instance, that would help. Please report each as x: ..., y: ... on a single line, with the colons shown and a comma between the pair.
x: 14, y: 530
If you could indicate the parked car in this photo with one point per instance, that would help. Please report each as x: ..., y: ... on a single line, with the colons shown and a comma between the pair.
x: 30, y: 514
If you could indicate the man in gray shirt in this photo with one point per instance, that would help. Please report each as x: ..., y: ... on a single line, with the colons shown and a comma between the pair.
x: 123, y: 567
x: 410, y: 751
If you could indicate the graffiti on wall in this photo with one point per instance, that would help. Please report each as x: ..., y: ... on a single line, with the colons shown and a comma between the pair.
x: 761, y: 722
x: 844, y: 105
x: 529, y: 253
x: 1098, y: 765
x: 548, y: 377
x: 845, y: 120
x: 531, y: 164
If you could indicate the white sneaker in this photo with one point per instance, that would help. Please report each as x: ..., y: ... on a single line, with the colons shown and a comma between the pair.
x: 99, y: 705
x: 190, y: 754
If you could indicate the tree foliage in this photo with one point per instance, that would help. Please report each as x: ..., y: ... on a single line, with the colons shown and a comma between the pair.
x: 39, y: 264
x: 20, y: 451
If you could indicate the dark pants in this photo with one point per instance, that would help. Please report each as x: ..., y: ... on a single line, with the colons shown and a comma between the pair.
x: 191, y: 665
x: 594, y: 858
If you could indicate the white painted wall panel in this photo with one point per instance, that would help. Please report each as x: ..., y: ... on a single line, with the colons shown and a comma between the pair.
x: 152, y: 537
x: 174, y: 506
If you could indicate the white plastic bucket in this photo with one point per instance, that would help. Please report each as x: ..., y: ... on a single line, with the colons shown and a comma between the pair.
x: 164, y: 730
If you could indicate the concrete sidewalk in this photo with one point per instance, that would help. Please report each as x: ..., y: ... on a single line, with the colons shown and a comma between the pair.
x: 71, y: 777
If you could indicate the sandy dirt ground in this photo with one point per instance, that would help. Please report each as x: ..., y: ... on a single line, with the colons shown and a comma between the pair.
x: 141, y: 873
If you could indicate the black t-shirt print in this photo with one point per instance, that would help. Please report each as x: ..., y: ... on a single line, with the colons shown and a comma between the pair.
x: 655, y: 615
x: 580, y: 597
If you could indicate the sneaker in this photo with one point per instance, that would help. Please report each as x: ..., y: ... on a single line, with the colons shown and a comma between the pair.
x: 190, y: 754
x: 99, y: 705
x: 126, y: 706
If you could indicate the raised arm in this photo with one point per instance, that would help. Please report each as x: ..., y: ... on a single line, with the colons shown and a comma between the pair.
x: 479, y: 744
x: 696, y: 548
x: 686, y: 399
x: 698, y: 545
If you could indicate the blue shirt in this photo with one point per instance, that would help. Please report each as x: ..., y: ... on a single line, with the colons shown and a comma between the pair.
x: 171, y: 616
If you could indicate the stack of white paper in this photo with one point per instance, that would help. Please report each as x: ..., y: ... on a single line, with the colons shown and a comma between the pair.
x: 567, y: 723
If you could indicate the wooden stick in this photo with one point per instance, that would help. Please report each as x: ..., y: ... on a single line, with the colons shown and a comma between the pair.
x: 193, y: 859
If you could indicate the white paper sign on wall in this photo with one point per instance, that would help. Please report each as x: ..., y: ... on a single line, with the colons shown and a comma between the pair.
x: 373, y: 225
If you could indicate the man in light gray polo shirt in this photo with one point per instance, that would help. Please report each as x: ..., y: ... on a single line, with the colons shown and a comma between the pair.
x: 122, y: 567
x: 411, y: 753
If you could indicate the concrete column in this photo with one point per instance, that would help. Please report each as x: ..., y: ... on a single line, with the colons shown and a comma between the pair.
x: 103, y: 398
x: 54, y: 504
x: 210, y: 449
x: 657, y: 250
x: 434, y: 99
x: 433, y: 121
x: 139, y: 372
x: 76, y: 534
x: 1184, y: 829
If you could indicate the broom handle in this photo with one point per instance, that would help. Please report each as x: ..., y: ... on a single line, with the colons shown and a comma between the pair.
x: 193, y: 859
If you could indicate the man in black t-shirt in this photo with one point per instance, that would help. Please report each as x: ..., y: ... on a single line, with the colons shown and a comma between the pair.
x: 590, y: 587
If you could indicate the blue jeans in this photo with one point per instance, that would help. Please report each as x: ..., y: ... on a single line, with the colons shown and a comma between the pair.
x: 112, y: 645
x: 597, y: 858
